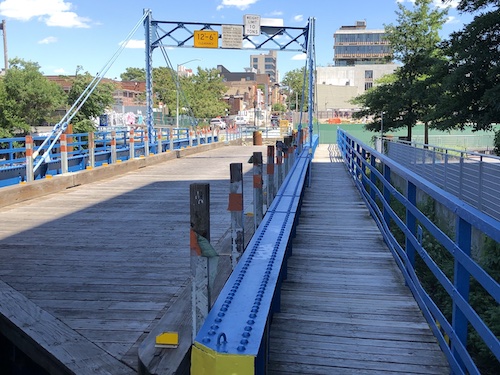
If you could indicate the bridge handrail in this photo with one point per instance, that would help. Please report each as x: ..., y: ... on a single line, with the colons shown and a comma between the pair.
x: 235, y: 334
x: 13, y: 150
x: 377, y: 190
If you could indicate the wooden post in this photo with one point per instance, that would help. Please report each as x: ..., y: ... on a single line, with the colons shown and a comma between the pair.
x: 271, y: 187
x: 236, y: 208
x: 64, y: 153
x: 200, y: 225
x: 131, y: 145
x: 29, y: 158
x: 113, y: 147
x: 258, y: 199
x: 91, y: 151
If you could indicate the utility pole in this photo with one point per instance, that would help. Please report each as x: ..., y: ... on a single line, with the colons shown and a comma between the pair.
x: 5, y: 55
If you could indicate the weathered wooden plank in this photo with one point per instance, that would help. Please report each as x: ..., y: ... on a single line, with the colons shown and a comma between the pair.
x: 24, y: 322
x: 344, y: 306
x: 116, y: 250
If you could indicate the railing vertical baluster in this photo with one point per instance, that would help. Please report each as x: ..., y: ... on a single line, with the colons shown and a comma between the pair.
x: 373, y: 177
x: 411, y: 224
x: 462, y: 284
x: 387, y: 194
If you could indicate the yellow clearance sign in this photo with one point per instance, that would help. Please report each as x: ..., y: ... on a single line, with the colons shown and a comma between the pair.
x: 206, y: 39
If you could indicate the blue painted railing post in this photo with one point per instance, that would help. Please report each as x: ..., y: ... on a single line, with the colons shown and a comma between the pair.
x: 411, y: 224
x: 462, y: 284
x: 387, y: 194
x: 373, y: 177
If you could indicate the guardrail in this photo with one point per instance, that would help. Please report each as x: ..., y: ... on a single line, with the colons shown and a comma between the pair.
x: 438, y: 242
x: 105, y: 147
x: 470, y: 176
x: 235, y: 335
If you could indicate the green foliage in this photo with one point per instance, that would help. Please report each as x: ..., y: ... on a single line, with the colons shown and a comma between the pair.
x: 278, y: 107
x: 297, y: 88
x: 406, y: 96
x: 471, y: 78
x: 97, y: 103
x: 134, y: 74
x: 486, y: 307
x: 84, y: 126
x: 496, y: 142
x: 27, y: 98
x: 204, y: 92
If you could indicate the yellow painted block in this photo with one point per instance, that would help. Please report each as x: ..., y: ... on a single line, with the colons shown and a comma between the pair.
x: 205, y: 361
x: 48, y: 176
x: 88, y: 167
x: 167, y: 340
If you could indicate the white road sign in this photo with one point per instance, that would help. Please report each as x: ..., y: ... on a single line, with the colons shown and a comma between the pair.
x: 252, y: 24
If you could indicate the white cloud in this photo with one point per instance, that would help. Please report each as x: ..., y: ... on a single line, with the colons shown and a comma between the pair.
x: 48, y: 40
x: 52, y: 12
x: 300, y: 56
x: 240, y: 4
x: 59, y: 71
x: 134, y: 43
x: 452, y: 20
x: 298, y: 18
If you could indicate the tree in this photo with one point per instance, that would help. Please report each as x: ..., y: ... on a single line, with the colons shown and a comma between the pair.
x: 204, y: 92
x: 297, y: 88
x: 133, y: 74
x: 471, y: 77
x: 27, y: 98
x: 406, y: 97
x: 96, y: 104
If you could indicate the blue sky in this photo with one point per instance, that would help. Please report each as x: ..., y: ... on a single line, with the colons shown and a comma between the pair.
x: 60, y: 35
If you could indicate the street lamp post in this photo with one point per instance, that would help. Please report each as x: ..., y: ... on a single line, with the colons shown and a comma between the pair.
x: 178, y: 88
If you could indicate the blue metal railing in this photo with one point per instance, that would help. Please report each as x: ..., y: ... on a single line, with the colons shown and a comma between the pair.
x: 235, y: 334
x: 380, y: 181
x: 13, y: 150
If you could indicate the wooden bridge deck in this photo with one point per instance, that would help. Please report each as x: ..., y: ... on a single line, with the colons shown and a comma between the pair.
x: 345, y: 308
x: 89, y: 271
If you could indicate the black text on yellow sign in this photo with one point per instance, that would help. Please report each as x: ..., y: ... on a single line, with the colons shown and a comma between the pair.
x: 206, y: 39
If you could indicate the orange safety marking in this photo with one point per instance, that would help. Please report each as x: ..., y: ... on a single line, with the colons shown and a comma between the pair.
x: 257, y: 181
x: 193, y: 242
x: 113, y: 141
x: 235, y: 202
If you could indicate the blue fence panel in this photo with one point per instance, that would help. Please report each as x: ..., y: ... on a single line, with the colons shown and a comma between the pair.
x: 383, y: 184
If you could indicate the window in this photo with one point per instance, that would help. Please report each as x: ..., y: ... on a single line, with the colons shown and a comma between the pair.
x: 368, y: 74
x: 368, y: 85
